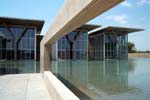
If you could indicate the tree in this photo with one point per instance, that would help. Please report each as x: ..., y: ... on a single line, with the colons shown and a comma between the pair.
x: 131, y: 47
x: 147, y: 51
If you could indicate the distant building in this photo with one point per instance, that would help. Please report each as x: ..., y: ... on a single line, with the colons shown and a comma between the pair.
x: 110, y: 43
x: 74, y: 45
x: 107, y: 43
x: 20, y: 38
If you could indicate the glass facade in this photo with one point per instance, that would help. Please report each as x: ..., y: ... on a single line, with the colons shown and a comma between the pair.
x: 73, y: 46
x: 17, y: 43
x: 96, y: 47
x: 1, y: 48
x: 108, y: 46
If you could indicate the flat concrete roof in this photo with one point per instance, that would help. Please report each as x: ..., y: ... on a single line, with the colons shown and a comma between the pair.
x: 22, y: 22
x: 121, y: 30
x: 87, y: 27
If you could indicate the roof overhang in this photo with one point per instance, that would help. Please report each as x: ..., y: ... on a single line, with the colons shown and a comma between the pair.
x: 22, y: 22
x: 117, y: 30
x: 87, y: 27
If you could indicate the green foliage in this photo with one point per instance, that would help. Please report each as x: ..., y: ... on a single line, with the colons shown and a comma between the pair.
x: 131, y: 47
x: 147, y: 51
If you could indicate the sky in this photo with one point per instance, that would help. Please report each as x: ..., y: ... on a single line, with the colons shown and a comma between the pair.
x: 130, y: 13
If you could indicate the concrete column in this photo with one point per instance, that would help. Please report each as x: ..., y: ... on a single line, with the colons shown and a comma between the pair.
x: 44, y: 58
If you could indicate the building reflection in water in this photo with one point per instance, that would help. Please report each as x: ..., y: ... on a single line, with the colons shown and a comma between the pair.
x: 110, y: 76
x: 91, y: 77
x: 18, y: 67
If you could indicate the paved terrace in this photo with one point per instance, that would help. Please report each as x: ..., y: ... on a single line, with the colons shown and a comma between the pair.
x: 23, y: 87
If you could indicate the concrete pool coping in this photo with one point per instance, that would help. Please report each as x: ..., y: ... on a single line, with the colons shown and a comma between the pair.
x: 57, y: 89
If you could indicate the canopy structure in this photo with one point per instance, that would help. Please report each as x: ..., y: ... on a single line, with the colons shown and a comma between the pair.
x: 8, y: 21
x: 87, y: 27
x: 116, y: 30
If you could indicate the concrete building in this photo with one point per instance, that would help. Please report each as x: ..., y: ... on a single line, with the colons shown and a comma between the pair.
x: 110, y: 43
x: 20, y: 38
x: 74, y: 45
x: 107, y: 43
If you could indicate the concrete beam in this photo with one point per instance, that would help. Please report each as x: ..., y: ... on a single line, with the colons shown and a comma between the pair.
x: 73, y: 14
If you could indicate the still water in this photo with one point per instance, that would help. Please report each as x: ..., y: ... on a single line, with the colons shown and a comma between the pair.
x: 95, y: 80
x: 18, y: 67
x: 106, y: 80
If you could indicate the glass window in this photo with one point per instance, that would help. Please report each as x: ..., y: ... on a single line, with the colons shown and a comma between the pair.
x: 27, y: 34
x: 26, y: 44
x: 9, y: 45
x: 32, y: 44
x: 79, y: 50
x: 32, y: 33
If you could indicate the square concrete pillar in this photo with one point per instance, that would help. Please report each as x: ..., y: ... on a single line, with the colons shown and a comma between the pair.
x: 44, y: 58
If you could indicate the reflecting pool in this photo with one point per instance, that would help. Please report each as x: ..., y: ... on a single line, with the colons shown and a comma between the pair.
x: 106, y: 80
x: 18, y: 67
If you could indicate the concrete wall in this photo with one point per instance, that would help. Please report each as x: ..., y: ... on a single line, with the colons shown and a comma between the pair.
x: 57, y: 90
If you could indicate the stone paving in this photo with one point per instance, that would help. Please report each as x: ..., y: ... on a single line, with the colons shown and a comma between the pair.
x: 23, y: 87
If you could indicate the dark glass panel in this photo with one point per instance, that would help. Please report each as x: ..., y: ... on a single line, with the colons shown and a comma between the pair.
x: 0, y: 48
x: 16, y: 31
x: 9, y: 45
x: 32, y: 33
x: 20, y: 45
x: 59, y: 44
x: 0, y: 43
x: 19, y: 54
x: 5, y: 32
x: 27, y: 34
x: 27, y: 54
x: 27, y: 44
x: 32, y: 54
x: 77, y: 45
x: 10, y: 54
x: 23, y: 44
x: 67, y: 45
x: 32, y: 41
x: 63, y: 44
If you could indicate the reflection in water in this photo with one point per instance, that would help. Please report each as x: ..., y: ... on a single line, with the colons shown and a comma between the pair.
x: 100, y: 79
x: 74, y: 73
x: 11, y: 67
x: 131, y: 65
x: 109, y: 76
